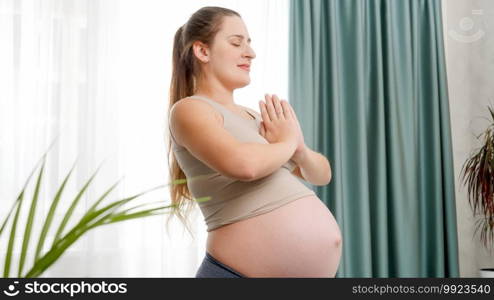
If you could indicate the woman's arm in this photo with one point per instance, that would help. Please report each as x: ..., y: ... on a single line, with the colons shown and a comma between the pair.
x: 266, y: 158
x: 195, y: 127
x: 312, y: 167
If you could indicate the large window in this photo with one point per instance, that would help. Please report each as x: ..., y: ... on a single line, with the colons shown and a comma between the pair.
x: 96, y: 75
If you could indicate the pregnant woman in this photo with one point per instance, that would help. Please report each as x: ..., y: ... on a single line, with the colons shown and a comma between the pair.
x: 262, y: 221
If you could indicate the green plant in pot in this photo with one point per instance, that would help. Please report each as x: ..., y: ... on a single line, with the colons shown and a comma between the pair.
x: 65, y: 236
x: 478, y: 175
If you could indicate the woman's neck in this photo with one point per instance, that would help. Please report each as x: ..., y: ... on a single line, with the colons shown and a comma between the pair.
x: 223, y: 98
x: 216, y: 92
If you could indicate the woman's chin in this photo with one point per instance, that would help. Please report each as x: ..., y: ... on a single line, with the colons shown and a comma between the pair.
x: 239, y: 85
x: 244, y: 83
x: 239, y: 82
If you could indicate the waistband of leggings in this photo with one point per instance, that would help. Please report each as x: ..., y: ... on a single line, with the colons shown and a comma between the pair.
x: 220, y: 264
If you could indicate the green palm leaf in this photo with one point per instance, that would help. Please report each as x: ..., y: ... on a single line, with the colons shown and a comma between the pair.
x: 21, y: 194
x: 92, y: 218
x: 10, y: 246
x: 87, y: 222
x: 30, y: 220
x: 69, y: 212
x: 50, y: 215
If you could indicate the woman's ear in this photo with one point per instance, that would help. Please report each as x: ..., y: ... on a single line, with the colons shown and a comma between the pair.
x: 201, y: 51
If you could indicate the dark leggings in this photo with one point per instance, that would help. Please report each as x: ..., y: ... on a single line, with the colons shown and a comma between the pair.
x: 213, y: 268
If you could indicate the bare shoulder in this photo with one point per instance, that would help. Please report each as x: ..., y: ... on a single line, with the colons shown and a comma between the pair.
x: 188, y: 111
x: 190, y: 107
x: 196, y: 127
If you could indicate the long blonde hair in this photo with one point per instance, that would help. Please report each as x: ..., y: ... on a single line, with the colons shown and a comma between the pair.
x: 202, y: 26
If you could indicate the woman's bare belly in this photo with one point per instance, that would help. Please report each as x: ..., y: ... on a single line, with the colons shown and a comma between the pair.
x: 298, y: 239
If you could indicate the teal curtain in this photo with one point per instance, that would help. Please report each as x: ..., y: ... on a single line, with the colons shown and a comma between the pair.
x: 368, y: 83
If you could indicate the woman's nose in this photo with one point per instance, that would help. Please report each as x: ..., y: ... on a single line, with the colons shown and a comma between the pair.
x: 250, y: 52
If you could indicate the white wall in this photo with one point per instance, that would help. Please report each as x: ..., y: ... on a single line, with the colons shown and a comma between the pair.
x: 469, y: 41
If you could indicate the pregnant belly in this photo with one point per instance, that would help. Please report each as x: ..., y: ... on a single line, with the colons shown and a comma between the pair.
x: 298, y: 239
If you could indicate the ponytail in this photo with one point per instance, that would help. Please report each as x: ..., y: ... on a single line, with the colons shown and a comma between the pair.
x: 201, y: 26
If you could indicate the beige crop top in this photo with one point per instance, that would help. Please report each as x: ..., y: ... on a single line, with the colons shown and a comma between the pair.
x: 233, y: 200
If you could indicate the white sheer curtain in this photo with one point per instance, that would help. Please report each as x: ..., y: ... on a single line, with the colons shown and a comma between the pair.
x: 96, y: 74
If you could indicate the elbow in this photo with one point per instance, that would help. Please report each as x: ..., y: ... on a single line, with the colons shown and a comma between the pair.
x: 242, y: 169
x: 325, y: 182
x: 328, y: 180
x: 248, y: 173
x: 248, y: 176
x: 329, y: 175
x: 249, y: 170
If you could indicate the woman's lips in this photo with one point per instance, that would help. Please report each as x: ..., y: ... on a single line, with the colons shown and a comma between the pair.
x: 244, y: 67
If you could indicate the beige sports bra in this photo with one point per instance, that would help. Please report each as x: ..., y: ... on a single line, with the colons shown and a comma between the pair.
x: 233, y: 200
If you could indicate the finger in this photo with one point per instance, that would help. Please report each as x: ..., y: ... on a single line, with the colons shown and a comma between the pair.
x: 290, y: 108
x: 286, y: 109
x: 261, y: 129
x: 294, y: 116
x: 278, y: 108
x: 264, y: 113
x: 270, y: 108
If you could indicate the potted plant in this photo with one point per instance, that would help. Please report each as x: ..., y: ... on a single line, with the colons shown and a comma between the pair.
x: 64, y: 237
x: 478, y: 175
